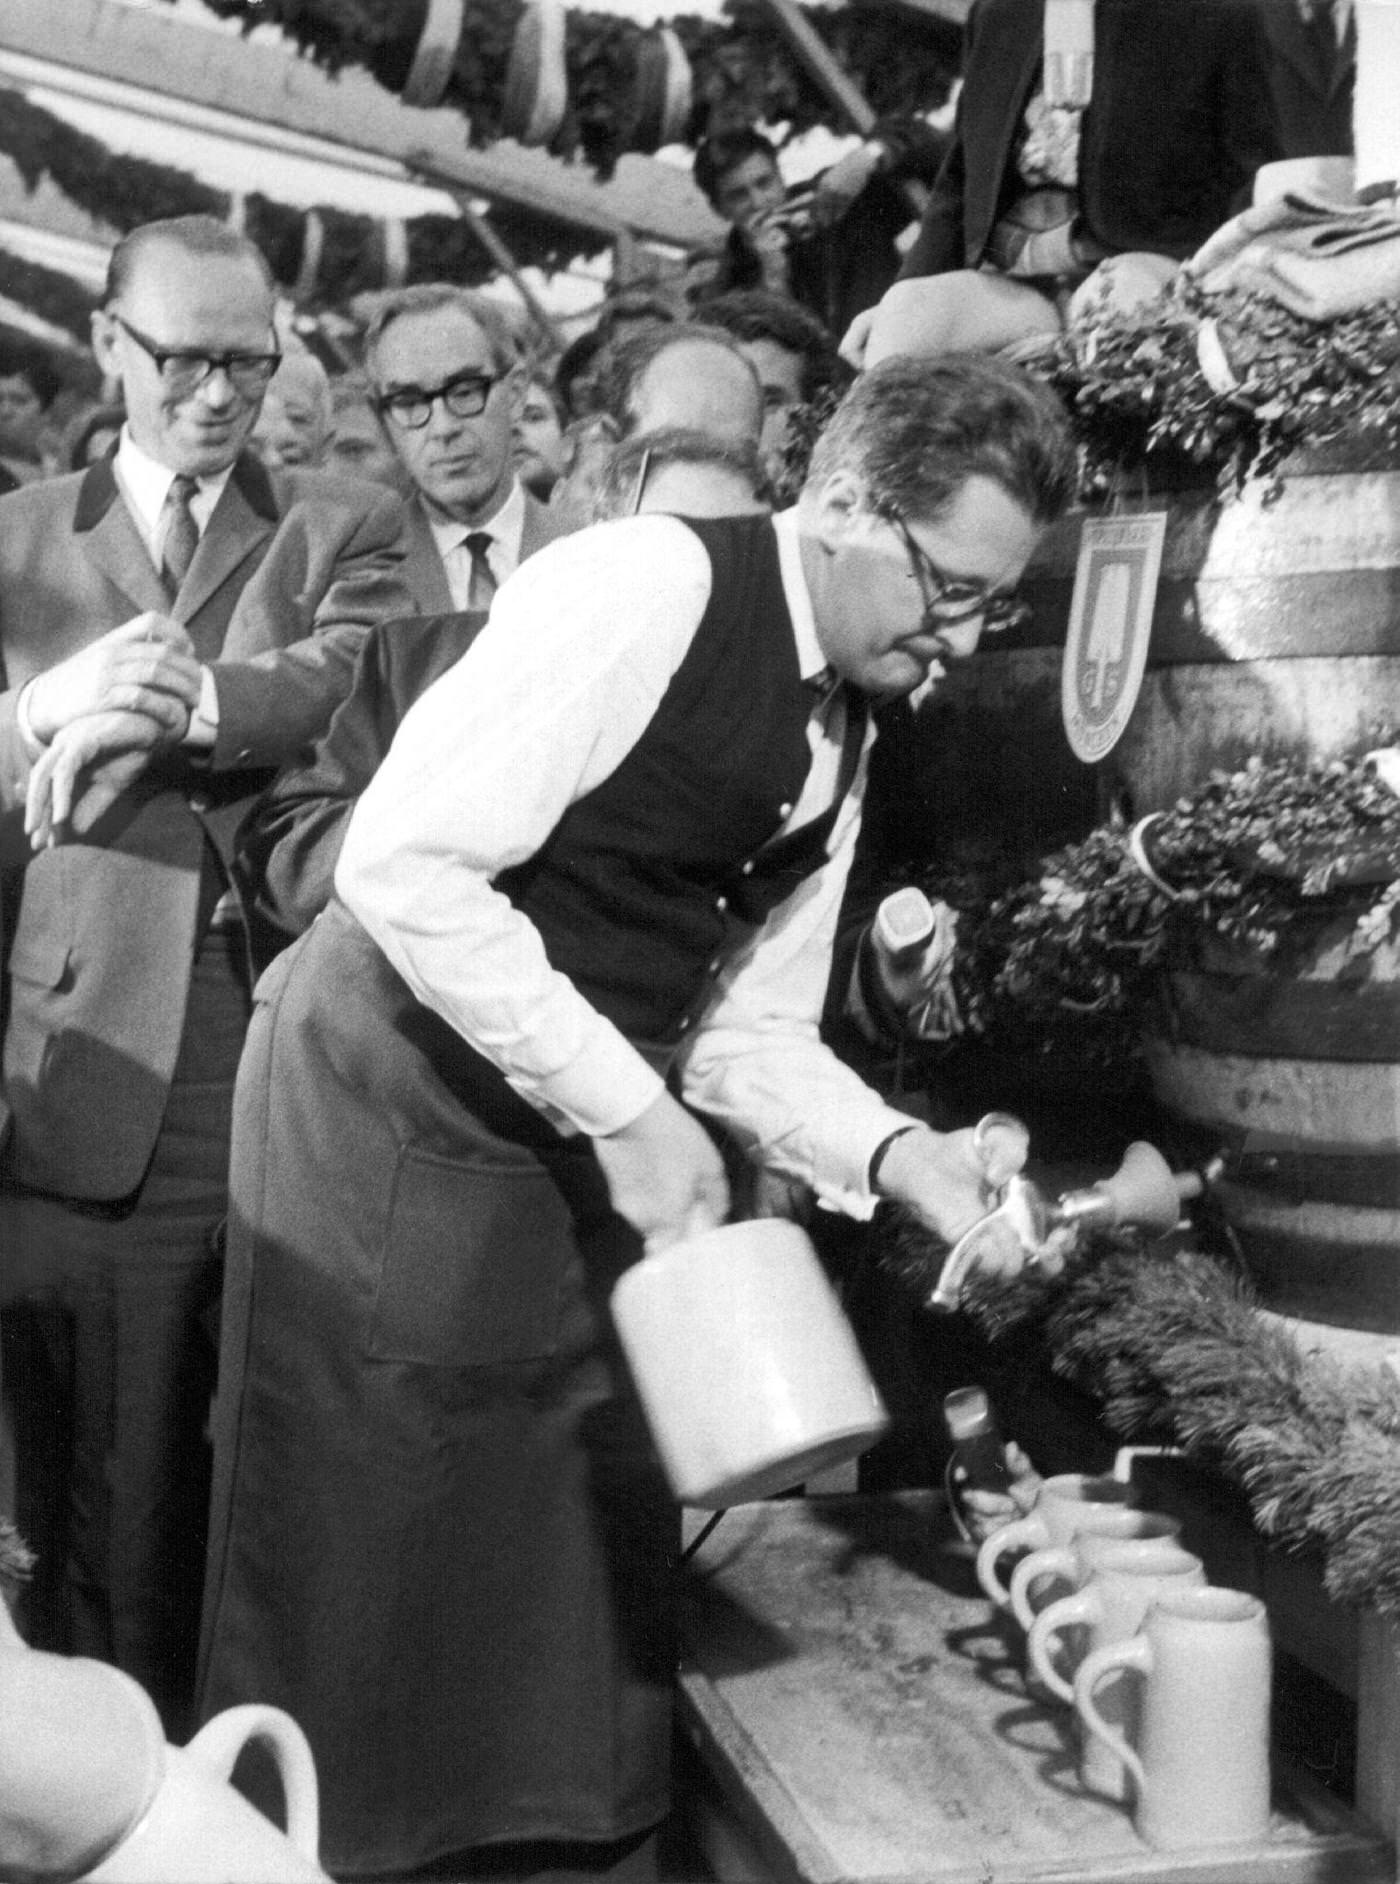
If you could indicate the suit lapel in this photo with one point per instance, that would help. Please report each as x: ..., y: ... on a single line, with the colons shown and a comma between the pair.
x: 1284, y: 26
x: 244, y: 518
x: 541, y: 526
x: 424, y: 571
x: 112, y: 543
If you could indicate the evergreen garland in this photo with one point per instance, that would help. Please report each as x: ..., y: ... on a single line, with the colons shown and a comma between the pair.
x: 1175, y: 1351
x: 53, y: 296
x: 123, y: 192
x: 742, y: 69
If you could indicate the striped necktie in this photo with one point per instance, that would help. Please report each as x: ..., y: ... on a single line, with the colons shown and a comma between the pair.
x: 181, y: 533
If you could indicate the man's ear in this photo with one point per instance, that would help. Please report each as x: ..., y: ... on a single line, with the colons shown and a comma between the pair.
x: 517, y: 384
x: 103, y: 331
x: 835, y: 508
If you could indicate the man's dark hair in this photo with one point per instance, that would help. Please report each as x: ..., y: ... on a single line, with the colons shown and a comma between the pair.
x: 624, y: 363
x: 21, y: 360
x: 914, y: 432
x: 644, y: 452
x: 758, y: 314
x: 196, y: 235
x: 716, y: 156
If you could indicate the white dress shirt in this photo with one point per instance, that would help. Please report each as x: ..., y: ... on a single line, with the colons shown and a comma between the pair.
x: 561, y: 683
x: 505, y: 530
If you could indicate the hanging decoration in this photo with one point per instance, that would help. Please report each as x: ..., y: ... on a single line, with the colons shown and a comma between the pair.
x: 45, y: 292
x: 738, y: 70
x: 325, y: 255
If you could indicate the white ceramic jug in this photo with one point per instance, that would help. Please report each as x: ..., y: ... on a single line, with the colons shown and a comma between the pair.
x: 747, y: 1368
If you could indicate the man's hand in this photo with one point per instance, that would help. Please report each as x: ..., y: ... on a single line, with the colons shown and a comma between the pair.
x: 83, y: 770
x: 770, y: 235
x: 985, y: 1512
x: 147, y: 666
x: 948, y: 1183
x: 838, y: 186
x: 664, y: 1175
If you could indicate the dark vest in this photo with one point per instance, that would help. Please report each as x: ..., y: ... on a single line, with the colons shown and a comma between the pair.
x: 648, y: 882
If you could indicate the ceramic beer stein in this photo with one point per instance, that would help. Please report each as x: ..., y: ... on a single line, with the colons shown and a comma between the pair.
x: 1068, y: 1504
x: 1066, y: 1563
x: 1200, y: 1770
x: 745, y: 1364
x: 1125, y: 1577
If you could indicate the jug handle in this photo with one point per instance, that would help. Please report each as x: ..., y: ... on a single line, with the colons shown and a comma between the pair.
x: 1081, y: 1607
x: 1040, y: 1563
x: 1136, y: 1653
x: 1021, y: 1533
x: 219, y: 1742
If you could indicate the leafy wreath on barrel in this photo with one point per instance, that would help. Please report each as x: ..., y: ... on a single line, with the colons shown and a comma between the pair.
x: 1266, y: 860
x: 1229, y: 383
x: 902, y: 62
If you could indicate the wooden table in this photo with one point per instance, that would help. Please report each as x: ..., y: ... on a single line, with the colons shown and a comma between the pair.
x: 857, y: 1714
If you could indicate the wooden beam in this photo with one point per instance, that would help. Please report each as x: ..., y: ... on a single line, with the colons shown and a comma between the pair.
x: 166, y: 65
x: 821, y: 64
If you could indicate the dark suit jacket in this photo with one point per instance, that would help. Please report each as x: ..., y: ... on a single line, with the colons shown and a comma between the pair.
x: 290, y: 571
x: 1180, y: 120
x: 423, y: 573
x: 291, y: 836
x: 1312, y: 118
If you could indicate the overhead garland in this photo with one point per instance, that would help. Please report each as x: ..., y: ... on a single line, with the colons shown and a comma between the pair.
x: 353, y: 251
x: 740, y: 71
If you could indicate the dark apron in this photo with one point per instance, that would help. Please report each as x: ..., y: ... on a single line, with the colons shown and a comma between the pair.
x: 440, y: 1538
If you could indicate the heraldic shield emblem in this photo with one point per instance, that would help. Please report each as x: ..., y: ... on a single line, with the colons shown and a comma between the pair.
x: 1110, y: 628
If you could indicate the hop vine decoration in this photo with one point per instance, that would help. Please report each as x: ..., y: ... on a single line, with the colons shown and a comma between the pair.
x: 1263, y: 859
x: 1137, y: 389
x: 902, y: 61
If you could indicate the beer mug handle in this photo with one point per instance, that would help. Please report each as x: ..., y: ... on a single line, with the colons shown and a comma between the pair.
x: 1081, y: 1607
x: 1135, y: 1653
x: 218, y: 1744
x: 1026, y: 1533
x: 1060, y: 1562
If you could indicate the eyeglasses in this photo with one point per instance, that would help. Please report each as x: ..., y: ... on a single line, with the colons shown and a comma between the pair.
x: 182, y: 370
x: 464, y: 396
x: 948, y: 601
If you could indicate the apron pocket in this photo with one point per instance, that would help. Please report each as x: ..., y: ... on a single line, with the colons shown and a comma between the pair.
x: 474, y: 1259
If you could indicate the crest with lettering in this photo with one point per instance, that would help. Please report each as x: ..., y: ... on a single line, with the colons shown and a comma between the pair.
x: 1110, y: 626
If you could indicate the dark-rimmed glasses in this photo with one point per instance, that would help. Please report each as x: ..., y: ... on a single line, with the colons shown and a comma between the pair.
x: 949, y: 601
x: 464, y: 396
x: 183, y: 369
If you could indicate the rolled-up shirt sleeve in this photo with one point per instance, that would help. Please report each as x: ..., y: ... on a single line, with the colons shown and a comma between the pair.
x: 556, y: 690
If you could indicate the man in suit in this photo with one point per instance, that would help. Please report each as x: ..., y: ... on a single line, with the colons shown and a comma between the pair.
x: 1151, y: 155
x: 174, y: 623
x: 1312, y: 74
x: 448, y: 383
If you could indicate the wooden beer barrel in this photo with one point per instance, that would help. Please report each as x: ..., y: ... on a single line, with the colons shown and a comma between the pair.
x: 1293, y: 1071
x: 1277, y: 635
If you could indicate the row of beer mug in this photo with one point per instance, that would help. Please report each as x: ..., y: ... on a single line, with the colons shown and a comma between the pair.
x: 1169, y: 1676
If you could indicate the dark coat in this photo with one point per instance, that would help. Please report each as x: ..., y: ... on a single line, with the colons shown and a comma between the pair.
x: 1312, y: 116
x: 289, y: 573
x: 1179, y: 122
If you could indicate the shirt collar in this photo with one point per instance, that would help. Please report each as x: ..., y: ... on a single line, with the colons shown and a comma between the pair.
x: 506, y: 526
x: 811, y: 662
x: 145, y: 484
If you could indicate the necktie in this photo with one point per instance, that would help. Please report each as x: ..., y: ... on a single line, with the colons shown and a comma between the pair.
x: 483, y: 584
x: 181, y: 533
x: 1320, y: 32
